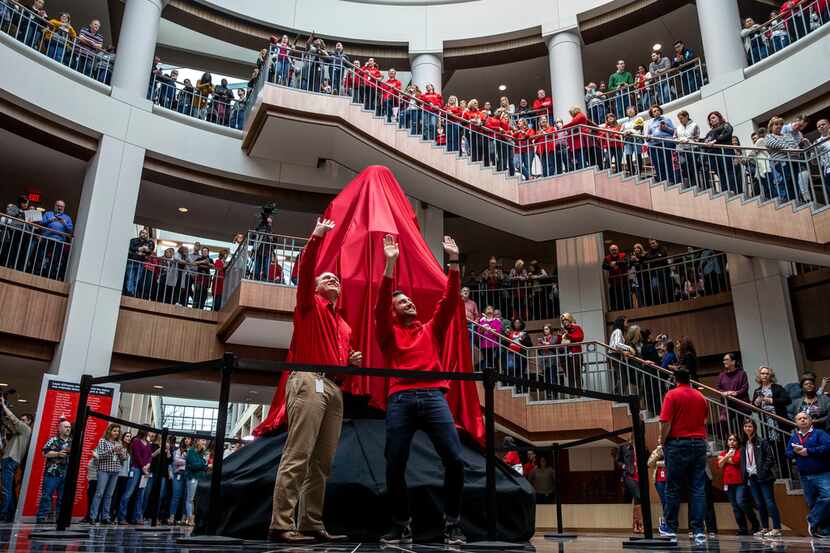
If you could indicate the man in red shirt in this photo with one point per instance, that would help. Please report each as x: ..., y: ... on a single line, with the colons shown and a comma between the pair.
x: 391, y: 94
x: 543, y: 103
x: 616, y: 265
x: 683, y: 430
x: 313, y: 402
x: 409, y: 343
x: 372, y: 79
x: 432, y: 103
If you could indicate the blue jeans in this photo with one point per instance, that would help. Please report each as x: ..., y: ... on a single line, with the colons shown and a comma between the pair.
x: 262, y: 263
x: 133, y: 272
x: 192, y: 485
x: 427, y: 410
x: 148, y: 490
x: 430, y: 122
x: 741, y: 507
x: 132, y: 488
x: 453, y: 137
x: 686, y: 465
x: 661, y: 492
x: 764, y: 498
x: 51, y: 485
x: 7, y: 493
x: 283, y: 66
x: 103, y: 492
x: 178, y: 492
x: 817, y: 494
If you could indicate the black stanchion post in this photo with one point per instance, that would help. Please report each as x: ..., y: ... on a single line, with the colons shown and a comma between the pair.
x: 161, y: 466
x: 490, y: 451
x: 229, y: 362
x: 70, y: 484
x: 557, y: 468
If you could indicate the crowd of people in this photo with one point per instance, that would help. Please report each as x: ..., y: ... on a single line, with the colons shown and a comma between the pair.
x: 794, y: 20
x: 527, y: 291
x: 83, y: 50
x: 650, y: 276
x: 35, y: 241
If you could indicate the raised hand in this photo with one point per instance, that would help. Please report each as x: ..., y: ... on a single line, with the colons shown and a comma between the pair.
x: 323, y: 226
x: 451, y: 248
x: 355, y: 358
x: 390, y: 248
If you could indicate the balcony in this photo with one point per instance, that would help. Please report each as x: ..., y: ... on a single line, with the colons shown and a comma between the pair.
x: 688, y: 193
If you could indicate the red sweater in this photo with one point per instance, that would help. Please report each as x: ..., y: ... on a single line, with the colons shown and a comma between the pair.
x: 372, y: 76
x: 545, y: 104
x: 390, y: 87
x: 545, y: 140
x: 577, y: 138
x: 522, y: 138
x: 574, y: 334
x: 732, y: 473
x: 321, y: 336
x: 455, y: 113
x: 417, y: 346
x: 492, y: 126
x: 432, y: 101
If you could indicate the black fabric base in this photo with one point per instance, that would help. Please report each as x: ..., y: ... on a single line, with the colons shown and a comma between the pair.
x: 356, y: 502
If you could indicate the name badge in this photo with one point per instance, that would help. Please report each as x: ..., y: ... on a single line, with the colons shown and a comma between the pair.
x: 132, y: 473
x: 318, y: 385
x: 178, y: 477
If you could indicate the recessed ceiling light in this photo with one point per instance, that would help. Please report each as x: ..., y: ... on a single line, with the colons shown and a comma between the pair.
x: 183, y: 210
x: 657, y: 47
x: 158, y: 386
x: 502, y: 87
x: 21, y: 400
x: 3, y: 385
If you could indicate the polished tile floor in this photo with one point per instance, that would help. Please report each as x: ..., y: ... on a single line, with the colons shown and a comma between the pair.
x: 18, y: 538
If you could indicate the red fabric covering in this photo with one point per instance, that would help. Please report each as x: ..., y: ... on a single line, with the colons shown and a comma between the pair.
x: 371, y: 206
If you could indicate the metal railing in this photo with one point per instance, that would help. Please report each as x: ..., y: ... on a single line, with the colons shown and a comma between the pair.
x: 34, y: 249
x: 173, y: 281
x: 55, y: 39
x: 771, y: 174
x: 264, y: 257
x: 596, y: 367
x: 761, y: 41
x: 198, y: 102
x: 529, y: 300
x: 659, y: 89
x: 646, y: 282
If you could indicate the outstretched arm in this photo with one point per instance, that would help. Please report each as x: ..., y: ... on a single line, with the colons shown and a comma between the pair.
x: 308, y: 261
x: 448, y: 304
x: 383, y: 305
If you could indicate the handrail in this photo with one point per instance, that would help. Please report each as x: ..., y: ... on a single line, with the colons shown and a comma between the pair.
x: 672, y: 71
x: 781, y: 18
x: 45, y: 229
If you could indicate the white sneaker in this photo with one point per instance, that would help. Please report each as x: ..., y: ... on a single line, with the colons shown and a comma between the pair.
x: 700, y: 539
x: 761, y: 533
x: 774, y: 533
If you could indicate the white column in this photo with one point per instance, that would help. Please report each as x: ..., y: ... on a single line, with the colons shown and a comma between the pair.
x: 720, y: 28
x: 135, y: 51
x: 427, y: 69
x: 566, y: 77
x: 582, y: 283
x: 99, y: 256
x: 431, y: 221
x: 764, y: 316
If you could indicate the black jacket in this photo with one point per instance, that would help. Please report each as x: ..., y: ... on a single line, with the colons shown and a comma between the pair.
x: 780, y: 399
x: 764, y: 460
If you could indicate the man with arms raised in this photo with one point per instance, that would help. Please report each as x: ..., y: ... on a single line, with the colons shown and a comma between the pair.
x: 313, y: 402
x: 408, y: 343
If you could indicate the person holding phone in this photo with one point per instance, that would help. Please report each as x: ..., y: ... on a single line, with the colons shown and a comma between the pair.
x: 56, y: 451
x: 810, y: 447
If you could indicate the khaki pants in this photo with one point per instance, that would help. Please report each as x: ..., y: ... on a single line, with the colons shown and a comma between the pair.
x: 314, y: 423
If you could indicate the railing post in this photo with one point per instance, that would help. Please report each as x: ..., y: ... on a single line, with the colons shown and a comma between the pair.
x: 158, y: 476
x: 490, y: 450
x: 228, y: 364
x: 70, y: 484
x: 638, y: 429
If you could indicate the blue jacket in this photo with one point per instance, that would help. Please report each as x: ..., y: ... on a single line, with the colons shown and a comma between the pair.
x: 817, y: 443
x: 61, y: 223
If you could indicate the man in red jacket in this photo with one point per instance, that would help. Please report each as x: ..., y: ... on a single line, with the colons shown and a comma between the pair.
x: 409, y: 343
x: 313, y: 401
x: 391, y: 93
x: 543, y: 103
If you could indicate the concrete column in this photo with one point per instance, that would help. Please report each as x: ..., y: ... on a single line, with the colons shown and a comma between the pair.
x: 431, y: 221
x: 99, y: 257
x: 566, y: 77
x: 764, y: 316
x: 720, y: 27
x: 582, y: 283
x: 135, y: 51
x: 427, y: 69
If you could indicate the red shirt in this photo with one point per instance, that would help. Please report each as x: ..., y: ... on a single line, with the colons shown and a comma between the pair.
x: 372, y: 75
x: 389, y: 87
x: 685, y: 409
x: 455, y: 111
x: 275, y: 272
x: 417, y: 346
x: 545, y: 104
x: 321, y: 336
x: 578, y: 137
x: 574, y: 334
x: 522, y: 138
x: 469, y: 115
x: 612, y: 139
x: 219, y: 278
x: 732, y: 473
x: 545, y: 140
x: 512, y: 458
x: 492, y: 126
x: 432, y: 101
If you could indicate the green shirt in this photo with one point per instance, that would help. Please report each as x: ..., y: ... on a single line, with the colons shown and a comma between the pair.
x: 617, y: 79
x: 196, y: 465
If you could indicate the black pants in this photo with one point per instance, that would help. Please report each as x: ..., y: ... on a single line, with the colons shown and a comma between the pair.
x: 427, y: 410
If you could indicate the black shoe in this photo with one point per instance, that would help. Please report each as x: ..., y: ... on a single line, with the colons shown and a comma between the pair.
x: 453, y: 534
x: 401, y: 533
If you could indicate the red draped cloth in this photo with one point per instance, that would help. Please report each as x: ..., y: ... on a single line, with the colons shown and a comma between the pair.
x: 371, y: 206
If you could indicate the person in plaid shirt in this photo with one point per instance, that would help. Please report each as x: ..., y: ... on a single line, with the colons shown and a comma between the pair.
x: 56, y: 450
x: 110, y: 454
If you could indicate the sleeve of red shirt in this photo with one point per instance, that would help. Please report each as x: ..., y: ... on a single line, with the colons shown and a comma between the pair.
x: 576, y: 334
x: 305, y: 284
x: 383, y: 314
x: 667, y: 412
x: 448, y: 305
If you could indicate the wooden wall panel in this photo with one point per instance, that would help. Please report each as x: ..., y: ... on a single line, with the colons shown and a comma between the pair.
x: 810, y: 297
x: 32, y: 306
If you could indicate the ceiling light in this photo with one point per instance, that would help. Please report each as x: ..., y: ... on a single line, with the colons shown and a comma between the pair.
x: 502, y: 87
x: 657, y: 47
x: 158, y: 386
x: 168, y: 243
x: 183, y: 210
x: 3, y: 385
x: 21, y: 400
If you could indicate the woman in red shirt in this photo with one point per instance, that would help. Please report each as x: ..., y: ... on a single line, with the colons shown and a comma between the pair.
x: 504, y: 145
x: 391, y: 94
x: 492, y: 127
x: 432, y: 102
x: 372, y: 78
x: 545, y: 141
x: 578, y: 138
x: 735, y: 487
x: 354, y: 82
x: 571, y: 333
x: 476, y: 140
x: 219, y: 279
x: 612, y: 143
x: 453, y: 116
x: 522, y: 137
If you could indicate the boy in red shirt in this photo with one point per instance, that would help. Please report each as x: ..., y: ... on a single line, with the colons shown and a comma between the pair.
x: 408, y: 343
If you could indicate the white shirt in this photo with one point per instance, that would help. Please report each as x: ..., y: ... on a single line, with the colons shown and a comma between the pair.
x: 617, y: 343
x: 749, y: 455
x: 687, y: 133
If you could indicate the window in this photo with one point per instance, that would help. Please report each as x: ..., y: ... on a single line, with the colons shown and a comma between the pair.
x: 182, y: 417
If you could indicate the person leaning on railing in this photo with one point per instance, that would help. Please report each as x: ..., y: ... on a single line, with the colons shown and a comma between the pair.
x: 59, y: 34
x: 16, y: 236
x: 780, y: 146
x: 32, y: 23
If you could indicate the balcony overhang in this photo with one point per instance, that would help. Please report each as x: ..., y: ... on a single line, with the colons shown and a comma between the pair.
x: 303, y: 128
x: 258, y: 314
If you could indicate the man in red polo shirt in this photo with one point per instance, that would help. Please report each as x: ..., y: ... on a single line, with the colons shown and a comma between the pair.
x: 391, y: 93
x: 409, y: 343
x: 313, y: 402
x: 683, y: 430
x: 543, y: 103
